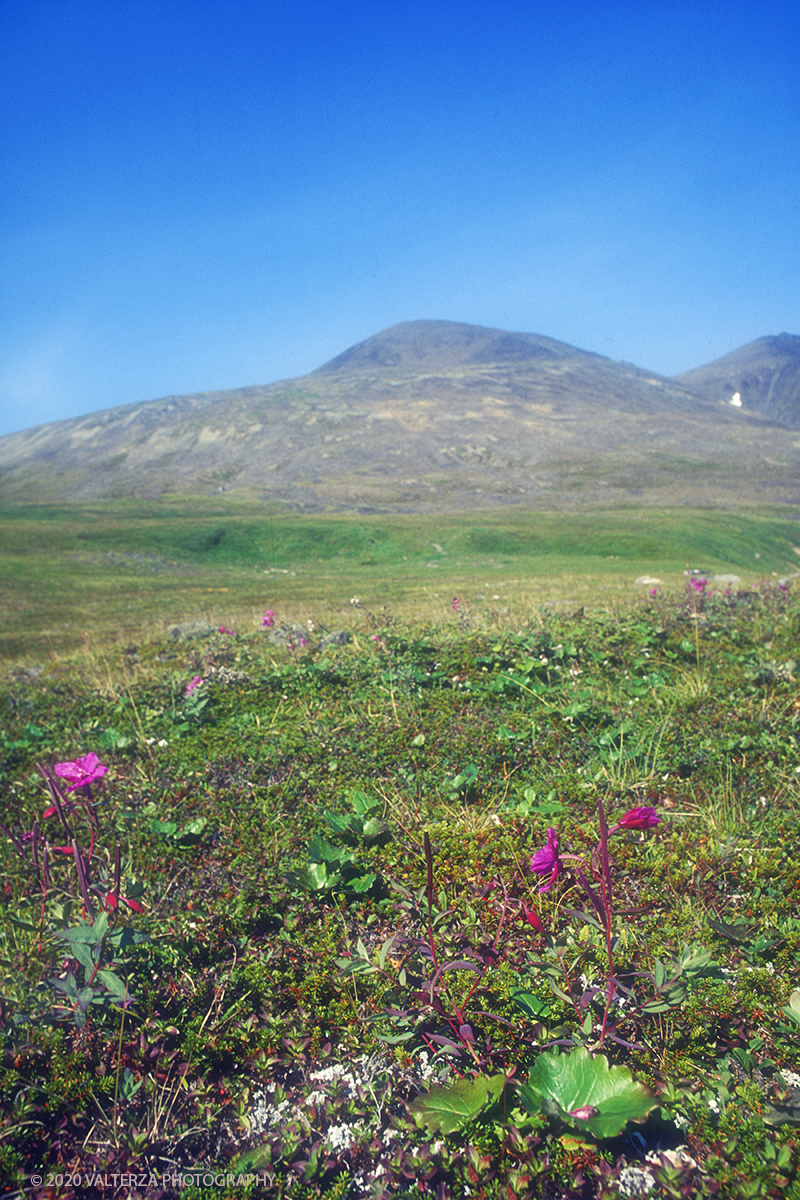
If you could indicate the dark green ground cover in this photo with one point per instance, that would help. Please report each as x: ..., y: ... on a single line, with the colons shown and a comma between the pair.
x: 267, y: 1010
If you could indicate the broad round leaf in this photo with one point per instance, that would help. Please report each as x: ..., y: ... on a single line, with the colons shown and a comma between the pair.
x: 587, y: 1092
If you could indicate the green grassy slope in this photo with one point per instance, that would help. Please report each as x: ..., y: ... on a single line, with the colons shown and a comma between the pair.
x: 130, y: 565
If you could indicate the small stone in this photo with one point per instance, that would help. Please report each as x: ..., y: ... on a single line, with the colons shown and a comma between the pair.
x: 190, y: 629
x: 340, y: 637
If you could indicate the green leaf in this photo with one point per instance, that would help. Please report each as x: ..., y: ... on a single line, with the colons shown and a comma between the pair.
x: 192, y: 833
x: 696, y: 963
x: 68, y: 985
x: 320, y: 877
x: 129, y: 1085
x: 362, y: 803
x: 740, y: 933
x: 531, y: 1005
x: 114, y: 984
x: 385, y: 948
x: 165, y: 828
x: 253, y: 1161
x: 91, y: 935
x: 84, y: 954
x: 125, y: 937
x: 100, y: 926
x: 313, y: 878
x: 586, y: 1092
x: 361, y: 883
x: 465, y: 778
x: 556, y: 990
x: 338, y: 823
x: 445, y: 1109
x: 18, y: 923
x: 657, y: 1006
x: 374, y: 828
x: 792, y: 1009
x: 321, y: 851
x: 85, y: 997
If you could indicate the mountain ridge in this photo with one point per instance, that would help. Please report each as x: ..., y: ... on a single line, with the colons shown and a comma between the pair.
x: 437, y: 414
x: 764, y: 374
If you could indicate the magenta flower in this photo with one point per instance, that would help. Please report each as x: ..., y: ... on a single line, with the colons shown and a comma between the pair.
x: 642, y: 817
x: 80, y: 771
x: 547, y: 860
x: 268, y: 619
x: 194, y: 684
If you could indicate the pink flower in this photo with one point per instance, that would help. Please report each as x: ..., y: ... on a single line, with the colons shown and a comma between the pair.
x: 642, y: 817
x: 456, y: 604
x: 268, y: 619
x: 80, y: 771
x: 547, y: 859
x: 195, y: 683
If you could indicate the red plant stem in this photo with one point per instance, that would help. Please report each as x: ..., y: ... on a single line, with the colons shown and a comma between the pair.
x: 45, y: 882
x: 605, y: 884
x: 115, y: 889
x: 58, y: 799
x: 79, y: 866
x: 429, y: 894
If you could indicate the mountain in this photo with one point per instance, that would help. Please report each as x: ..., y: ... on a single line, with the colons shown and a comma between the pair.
x: 764, y: 375
x: 427, y: 415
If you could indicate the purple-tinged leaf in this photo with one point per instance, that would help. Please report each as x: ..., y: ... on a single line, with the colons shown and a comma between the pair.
x: 444, y: 1041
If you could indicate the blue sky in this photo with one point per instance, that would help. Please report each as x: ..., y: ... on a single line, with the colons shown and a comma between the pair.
x: 206, y: 195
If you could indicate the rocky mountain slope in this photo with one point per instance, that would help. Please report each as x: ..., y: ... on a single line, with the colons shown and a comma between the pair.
x: 434, y: 415
x: 762, y: 377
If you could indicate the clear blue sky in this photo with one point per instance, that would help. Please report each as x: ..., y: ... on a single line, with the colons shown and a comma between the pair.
x: 204, y: 195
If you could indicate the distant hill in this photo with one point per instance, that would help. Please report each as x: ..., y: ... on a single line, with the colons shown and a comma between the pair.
x: 442, y: 345
x: 436, y: 415
x: 764, y: 375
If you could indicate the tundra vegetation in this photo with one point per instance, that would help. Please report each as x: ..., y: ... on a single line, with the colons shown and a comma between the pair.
x: 487, y: 900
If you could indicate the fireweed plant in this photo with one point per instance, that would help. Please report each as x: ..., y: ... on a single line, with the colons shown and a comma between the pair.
x: 96, y: 884
x: 552, y: 863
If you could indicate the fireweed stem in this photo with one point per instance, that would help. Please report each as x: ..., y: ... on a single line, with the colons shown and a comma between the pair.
x: 605, y: 885
x: 429, y: 894
x: 119, y: 1065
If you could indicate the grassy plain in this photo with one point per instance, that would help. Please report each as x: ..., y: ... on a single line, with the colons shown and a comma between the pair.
x: 128, y: 569
x: 305, y: 942
x: 323, y: 960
